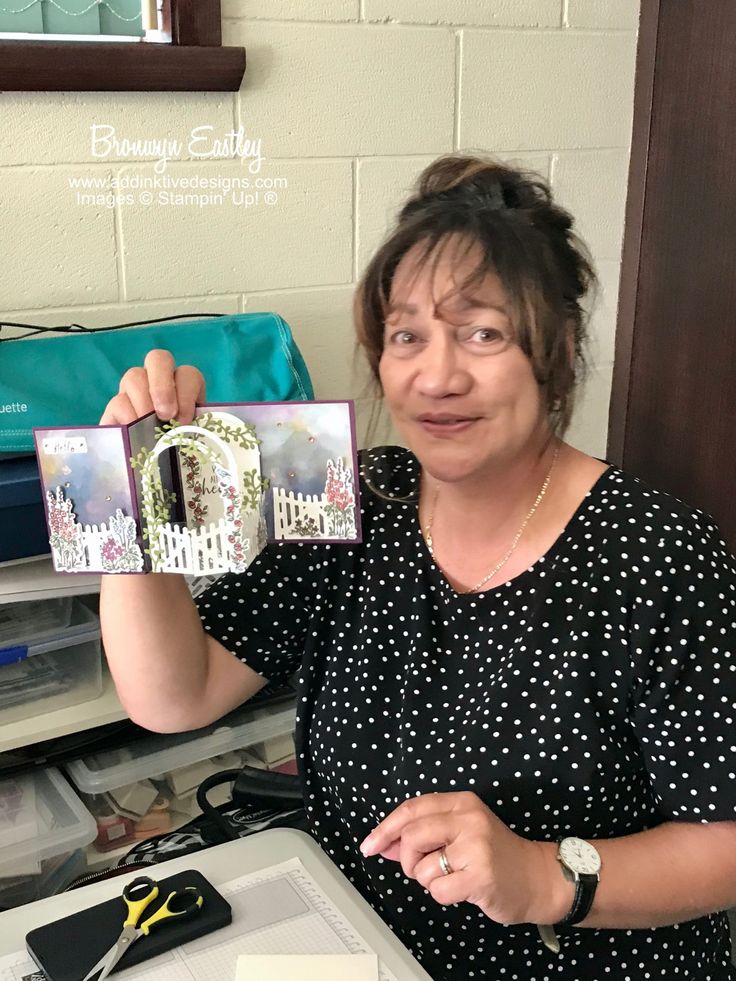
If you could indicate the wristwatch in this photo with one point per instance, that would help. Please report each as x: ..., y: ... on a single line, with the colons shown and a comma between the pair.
x: 581, y: 864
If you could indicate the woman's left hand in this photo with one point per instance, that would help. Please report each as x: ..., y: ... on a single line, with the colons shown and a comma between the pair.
x: 510, y: 878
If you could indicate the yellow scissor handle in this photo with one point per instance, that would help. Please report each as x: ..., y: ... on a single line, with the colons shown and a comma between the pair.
x: 138, y: 895
x: 180, y: 903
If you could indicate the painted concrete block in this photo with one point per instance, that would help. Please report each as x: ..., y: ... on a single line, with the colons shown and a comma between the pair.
x: 322, y: 323
x: 57, y: 127
x: 592, y: 185
x: 325, y: 10
x: 483, y: 13
x: 603, y: 320
x: 336, y: 90
x: 604, y: 14
x: 542, y: 90
x: 55, y: 250
x: 302, y: 238
x: 589, y: 428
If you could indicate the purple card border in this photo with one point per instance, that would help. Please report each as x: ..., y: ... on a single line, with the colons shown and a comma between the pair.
x: 350, y: 403
x: 125, y: 427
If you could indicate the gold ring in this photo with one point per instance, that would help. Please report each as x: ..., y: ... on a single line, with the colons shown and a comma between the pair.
x: 447, y: 869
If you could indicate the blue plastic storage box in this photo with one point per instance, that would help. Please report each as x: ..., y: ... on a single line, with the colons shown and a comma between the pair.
x: 22, y: 520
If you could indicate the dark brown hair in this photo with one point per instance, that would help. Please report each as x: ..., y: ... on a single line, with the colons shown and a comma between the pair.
x: 524, y: 238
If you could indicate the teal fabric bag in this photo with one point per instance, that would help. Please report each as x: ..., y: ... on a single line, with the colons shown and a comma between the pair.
x: 66, y: 375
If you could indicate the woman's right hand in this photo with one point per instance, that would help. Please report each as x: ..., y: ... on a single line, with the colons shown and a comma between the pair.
x: 170, y: 675
x: 160, y: 387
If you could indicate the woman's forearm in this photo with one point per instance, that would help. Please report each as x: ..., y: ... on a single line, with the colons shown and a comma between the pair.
x: 676, y: 872
x: 170, y: 675
x: 155, y: 646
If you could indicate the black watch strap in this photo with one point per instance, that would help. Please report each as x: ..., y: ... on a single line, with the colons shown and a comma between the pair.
x: 584, y: 894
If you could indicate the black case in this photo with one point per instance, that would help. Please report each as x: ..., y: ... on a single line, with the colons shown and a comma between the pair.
x: 66, y: 949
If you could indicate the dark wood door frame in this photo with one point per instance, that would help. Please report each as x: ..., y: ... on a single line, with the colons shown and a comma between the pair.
x: 634, y: 223
x: 672, y: 415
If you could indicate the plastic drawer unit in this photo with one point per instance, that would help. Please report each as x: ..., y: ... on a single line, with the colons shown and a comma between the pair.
x: 150, y: 787
x: 44, y: 829
x: 39, y: 618
x: 50, y: 657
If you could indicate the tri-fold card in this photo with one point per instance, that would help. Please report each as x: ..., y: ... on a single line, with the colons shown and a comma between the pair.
x: 203, y: 498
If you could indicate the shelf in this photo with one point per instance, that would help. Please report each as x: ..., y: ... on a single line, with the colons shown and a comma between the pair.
x: 79, y: 66
x: 37, y: 579
x: 98, y: 712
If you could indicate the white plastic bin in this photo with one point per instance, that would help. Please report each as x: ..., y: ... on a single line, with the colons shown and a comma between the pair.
x: 150, y: 787
x: 44, y: 828
x: 50, y: 657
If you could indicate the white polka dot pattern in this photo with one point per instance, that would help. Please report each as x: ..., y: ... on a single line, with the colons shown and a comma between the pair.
x: 593, y: 695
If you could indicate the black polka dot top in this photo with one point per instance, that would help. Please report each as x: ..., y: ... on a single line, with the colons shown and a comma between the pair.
x: 592, y: 695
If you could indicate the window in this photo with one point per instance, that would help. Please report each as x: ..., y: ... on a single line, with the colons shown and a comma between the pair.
x: 84, y: 18
x: 185, y: 53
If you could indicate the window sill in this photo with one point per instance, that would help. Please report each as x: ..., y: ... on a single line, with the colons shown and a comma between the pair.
x: 78, y: 66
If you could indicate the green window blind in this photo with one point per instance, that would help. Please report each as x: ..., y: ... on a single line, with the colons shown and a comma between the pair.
x: 121, y: 17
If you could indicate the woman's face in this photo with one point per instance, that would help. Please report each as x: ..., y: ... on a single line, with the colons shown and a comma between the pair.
x: 460, y: 391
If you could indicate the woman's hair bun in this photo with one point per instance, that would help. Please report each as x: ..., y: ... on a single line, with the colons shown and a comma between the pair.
x: 482, y: 183
x: 451, y: 171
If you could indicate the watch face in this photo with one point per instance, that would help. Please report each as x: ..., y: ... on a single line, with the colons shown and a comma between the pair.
x: 579, y: 856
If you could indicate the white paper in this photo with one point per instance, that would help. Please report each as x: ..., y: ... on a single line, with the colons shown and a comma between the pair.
x: 307, y: 967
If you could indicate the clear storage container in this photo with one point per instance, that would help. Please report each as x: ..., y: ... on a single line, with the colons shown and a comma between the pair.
x: 44, y: 828
x: 150, y: 787
x: 50, y: 657
x: 33, y: 619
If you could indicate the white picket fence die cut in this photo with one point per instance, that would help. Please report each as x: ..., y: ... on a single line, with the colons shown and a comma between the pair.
x: 206, y: 549
x: 289, y: 507
x: 93, y: 538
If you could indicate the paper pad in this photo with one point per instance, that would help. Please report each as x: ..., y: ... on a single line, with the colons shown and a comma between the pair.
x: 307, y: 967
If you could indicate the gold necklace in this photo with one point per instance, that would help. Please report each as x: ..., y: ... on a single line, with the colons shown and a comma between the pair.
x: 519, y: 533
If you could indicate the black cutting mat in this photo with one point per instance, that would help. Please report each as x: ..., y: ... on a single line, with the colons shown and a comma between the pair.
x: 66, y: 949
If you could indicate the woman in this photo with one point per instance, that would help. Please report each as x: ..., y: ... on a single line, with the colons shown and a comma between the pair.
x: 529, y: 645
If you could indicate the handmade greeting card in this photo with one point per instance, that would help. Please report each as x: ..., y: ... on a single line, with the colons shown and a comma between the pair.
x: 203, y: 498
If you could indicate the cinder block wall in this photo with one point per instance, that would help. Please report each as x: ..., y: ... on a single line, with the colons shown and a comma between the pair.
x: 350, y: 98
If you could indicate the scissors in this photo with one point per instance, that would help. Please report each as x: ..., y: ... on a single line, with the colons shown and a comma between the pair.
x: 138, y: 896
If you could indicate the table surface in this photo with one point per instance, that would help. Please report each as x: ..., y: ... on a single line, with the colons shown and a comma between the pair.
x: 220, y: 864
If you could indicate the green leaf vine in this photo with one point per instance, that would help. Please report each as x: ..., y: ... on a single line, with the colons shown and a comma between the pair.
x: 158, y: 502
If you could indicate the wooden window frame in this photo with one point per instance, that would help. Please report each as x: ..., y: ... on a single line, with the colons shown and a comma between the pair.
x: 193, y: 61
